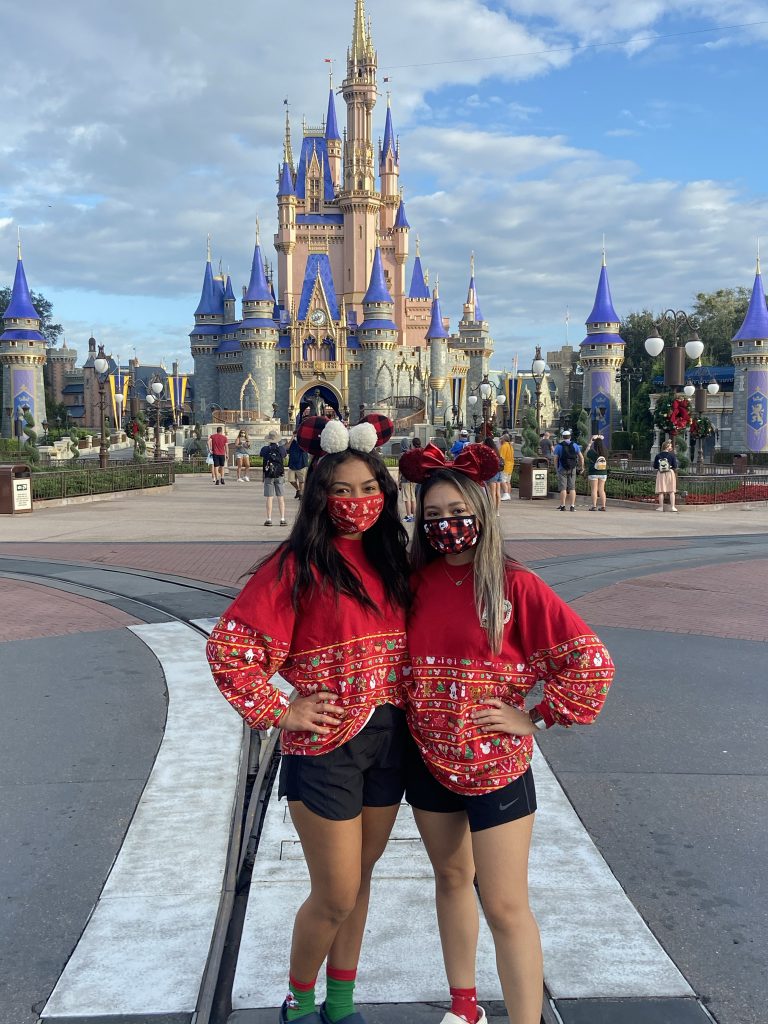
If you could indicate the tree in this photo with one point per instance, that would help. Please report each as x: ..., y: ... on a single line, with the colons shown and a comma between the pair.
x: 51, y: 331
x: 583, y: 428
x: 530, y: 434
x: 720, y: 315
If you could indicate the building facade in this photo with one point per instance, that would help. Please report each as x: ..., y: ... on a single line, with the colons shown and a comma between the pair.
x: 602, y: 356
x: 749, y: 347
x: 339, y: 325
x: 22, y: 355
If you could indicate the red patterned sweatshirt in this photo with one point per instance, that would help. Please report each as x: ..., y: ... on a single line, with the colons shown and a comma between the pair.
x: 328, y: 645
x: 454, y: 672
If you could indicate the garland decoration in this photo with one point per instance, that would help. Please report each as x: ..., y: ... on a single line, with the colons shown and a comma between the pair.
x: 672, y: 414
x: 701, y: 427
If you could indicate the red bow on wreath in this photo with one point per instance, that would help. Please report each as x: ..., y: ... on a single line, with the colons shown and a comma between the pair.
x: 477, y: 461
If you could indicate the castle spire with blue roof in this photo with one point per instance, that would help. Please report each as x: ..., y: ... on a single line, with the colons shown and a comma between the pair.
x: 333, y: 140
x: 389, y: 173
x: 22, y: 355
x: 602, y: 356
x: 419, y: 288
x: 749, y: 348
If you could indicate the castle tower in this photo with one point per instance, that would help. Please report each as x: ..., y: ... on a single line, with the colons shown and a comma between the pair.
x: 602, y: 354
x: 285, y: 239
x: 59, y: 364
x: 400, y: 237
x: 474, y: 335
x: 204, y: 339
x: 359, y: 201
x: 333, y: 142
x: 389, y: 173
x: 258, y: 337
x: 22, y: 354
x: 750, y: 385
x: 437, y: 339
x: 378, y: 337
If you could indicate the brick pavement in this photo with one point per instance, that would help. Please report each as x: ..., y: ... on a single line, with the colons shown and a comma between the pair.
x: 726, y: 600
x: 225, y: 562
x: 29, y: 610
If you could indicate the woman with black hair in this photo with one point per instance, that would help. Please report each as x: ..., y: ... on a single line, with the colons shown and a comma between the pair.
x: 327, y: 610
x: 596, y: 458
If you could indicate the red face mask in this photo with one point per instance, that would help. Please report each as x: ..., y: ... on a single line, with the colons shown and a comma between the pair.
x: 355, y: 515
x: 452, y: 535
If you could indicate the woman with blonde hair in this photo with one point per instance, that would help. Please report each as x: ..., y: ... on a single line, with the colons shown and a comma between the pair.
x: 481, y: 632
x: 242, y: 456
x: 665, y: 465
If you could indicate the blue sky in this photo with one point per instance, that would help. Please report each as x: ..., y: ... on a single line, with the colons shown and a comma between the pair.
x: 135, y: 131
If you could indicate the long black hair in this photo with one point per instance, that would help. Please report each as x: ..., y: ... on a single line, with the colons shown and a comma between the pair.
x: 310, y: 540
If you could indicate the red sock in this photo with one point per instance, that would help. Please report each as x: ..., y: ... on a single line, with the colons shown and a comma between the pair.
x: 464, y: 1003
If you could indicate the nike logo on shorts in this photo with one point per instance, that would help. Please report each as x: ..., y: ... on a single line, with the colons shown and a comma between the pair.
x: 505, y: 807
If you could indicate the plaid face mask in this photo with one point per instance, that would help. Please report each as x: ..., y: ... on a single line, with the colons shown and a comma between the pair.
x: 452, y: 535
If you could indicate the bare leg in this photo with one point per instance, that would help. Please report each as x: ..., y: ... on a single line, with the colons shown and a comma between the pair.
x: 593, y: 487
x: 448, y: 844
x: 332, y: 850
x: 501, y: 860
x: 281, y: 505
x: 377, y: 825
x: 269, y: 508
x: 601, y: 492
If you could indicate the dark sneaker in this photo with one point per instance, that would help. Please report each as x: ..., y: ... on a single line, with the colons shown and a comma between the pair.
x: 351, y: 1018
x: 572, y: 508
x: 267, y: 522
x: 308, y: 1018
x: 561, y: 508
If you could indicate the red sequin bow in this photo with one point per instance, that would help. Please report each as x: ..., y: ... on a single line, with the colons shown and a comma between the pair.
x: 477, y: 461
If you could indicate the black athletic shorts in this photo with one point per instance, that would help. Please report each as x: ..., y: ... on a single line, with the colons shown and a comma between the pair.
x: 368, y: 771
x: 219, y: 460
x: 425, y: 793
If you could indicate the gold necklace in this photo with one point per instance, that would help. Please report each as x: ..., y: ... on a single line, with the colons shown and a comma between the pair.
x: 457, y: 583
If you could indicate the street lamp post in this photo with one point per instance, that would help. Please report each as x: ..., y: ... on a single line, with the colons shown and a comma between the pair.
x: 101, y: 366
x: 674, y: 356
x: 154, y: 399
x: 629, y: 374
x: 486, y: 390
x: 538, y: 369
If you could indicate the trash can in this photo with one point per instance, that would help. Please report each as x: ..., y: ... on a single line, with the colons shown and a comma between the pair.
x: 533, y: 481
x: 15, y: 489
x: 740, y: 463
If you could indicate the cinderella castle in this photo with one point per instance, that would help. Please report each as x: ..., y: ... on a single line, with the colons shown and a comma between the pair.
x: 341, y: 325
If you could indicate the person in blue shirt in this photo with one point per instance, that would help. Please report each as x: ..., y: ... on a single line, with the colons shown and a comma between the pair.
x: 298, y: 460
x: 568, y: 462
x: 459, y: 444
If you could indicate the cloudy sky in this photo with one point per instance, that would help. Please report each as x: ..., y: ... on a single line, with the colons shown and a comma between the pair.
x: 132, y: 130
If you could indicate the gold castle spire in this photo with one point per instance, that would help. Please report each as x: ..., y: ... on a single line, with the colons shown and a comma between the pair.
x: 361, y: 35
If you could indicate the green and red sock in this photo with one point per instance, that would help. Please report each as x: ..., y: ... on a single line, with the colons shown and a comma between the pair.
x: 340, y: 993
x: 300, y: 999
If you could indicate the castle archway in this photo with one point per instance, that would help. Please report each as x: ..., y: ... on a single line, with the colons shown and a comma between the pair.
x: 250, y: 400
x: 318, y: 393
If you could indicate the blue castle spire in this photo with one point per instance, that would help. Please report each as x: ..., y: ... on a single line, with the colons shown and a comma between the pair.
x: 228, y: 292
x: 286, y: 186
x: 418, y: 289
x: 602, y: 310
x: 377, y: 289
x: 389, y: 138
x: 755, y: 326
x: 208, y: 305
x: 331, y: 127
x: 472, y: 291
x: 20, y: 307
x: 258, y: 287
x: 436, y: 328
x: 401, y: 221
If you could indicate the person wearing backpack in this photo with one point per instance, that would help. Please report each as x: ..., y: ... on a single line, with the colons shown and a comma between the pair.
x: 568, y: 461
x: 665, y: 465
x: 597, y: 472
x: 273, y: 468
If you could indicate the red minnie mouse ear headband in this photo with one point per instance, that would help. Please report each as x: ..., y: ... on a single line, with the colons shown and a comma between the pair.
x: 320, y: 436
x: 477, y: 461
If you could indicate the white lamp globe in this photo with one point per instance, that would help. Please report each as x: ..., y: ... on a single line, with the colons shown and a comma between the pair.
x: 693, y: 349
x: 713, y: 387
x: 150, y: 399
x: 119, y: 398
x: 485, y: 391
x: 654, y: 346
x: 472, y: 399
x: 100, y: 366
x: 538, y: 367
x: 689, y: 390
x: 501, y: 399
x: 157, y: 387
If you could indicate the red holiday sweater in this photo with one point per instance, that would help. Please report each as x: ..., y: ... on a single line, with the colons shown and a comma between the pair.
x: 330, y: 644
x: 454, y: 672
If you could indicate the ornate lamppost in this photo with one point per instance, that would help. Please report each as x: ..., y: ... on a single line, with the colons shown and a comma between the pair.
x: 538, y: 369
x: 628, y: 374
x: 674, y: 355
x: 154, y: 399
x: 101, y: 366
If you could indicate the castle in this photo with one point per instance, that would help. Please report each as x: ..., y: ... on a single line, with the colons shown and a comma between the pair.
x: 342, y: 328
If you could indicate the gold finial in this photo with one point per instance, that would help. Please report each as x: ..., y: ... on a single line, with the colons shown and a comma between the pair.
x: 287, y: 149
x: 389, y: 98
x: 18, y: 243
x: 208, y: 248
x: 426, y: 276
x: 437, y: 286
x: 603, y: 249
x: 258, y: 242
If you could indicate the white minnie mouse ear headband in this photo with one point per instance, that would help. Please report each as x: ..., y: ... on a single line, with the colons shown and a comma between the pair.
x: 320, y: 436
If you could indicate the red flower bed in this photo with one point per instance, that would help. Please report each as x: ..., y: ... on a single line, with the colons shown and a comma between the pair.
x: 741, y: 492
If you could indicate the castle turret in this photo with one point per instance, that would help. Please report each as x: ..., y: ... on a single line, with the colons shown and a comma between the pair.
x: 474, y: 335
x: 285, y: 239
x: 750, y: 386
x: 205, y: 337
x: 229, y: 302
x: 333, y: 141
x: 259, y: 332
x: 378, y: 335
x: 389, y: 173
x: 602, y: 354
x: 400, y: 241
x: 22, y: 354
x: 437, y: 339
x: 359, y: 201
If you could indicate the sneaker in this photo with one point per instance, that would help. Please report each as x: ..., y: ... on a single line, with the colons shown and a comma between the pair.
x: 673, y: 509
x: 217, y: 482
x: 572, y: 508
x: 308, y: 1018
x: 297, y: 495
x: 659, y: 508
x: 601, y: 509
x: 506, y: 497
x: 239, y: 479
x: 407, y: 519
x: 561, y: 508
x: 282, y: 522
x: 267, y: 522
x: 222, y: 482
x: 247, y: 479
x: 593, y: 508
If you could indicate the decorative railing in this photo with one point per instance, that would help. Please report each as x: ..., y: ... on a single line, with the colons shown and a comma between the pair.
x: 83, y: 481
x: 312, y: 366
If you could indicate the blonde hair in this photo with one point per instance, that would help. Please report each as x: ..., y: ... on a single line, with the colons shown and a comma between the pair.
x: 490, y: 561
x: 667, y: 446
